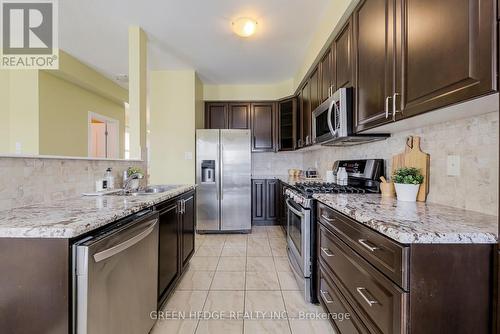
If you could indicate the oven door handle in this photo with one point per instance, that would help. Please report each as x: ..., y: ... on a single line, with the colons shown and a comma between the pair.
x: 291, y: 208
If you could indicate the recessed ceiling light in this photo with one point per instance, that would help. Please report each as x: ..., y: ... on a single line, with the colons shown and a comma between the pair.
x: 244, y: 26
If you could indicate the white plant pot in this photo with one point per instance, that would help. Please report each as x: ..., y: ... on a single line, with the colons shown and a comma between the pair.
x: 407, y: 192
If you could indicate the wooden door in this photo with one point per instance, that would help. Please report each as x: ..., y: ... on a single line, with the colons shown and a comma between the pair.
x: 299, y: 119
x: 216, y: 115
x: 306, y: 114
x: 326, y: 75
x: 373, y: 27
x: 315, y: 86
x: 446, y: 53
x: 188, y: 228
x: 263, y: 124
x: 287, y: 125
x: 258, y: 200
x: 343, y: 64
x: 239, y: 116
x: 272, y: 189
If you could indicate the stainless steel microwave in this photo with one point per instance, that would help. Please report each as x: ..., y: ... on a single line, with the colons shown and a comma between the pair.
x: 333, y: 123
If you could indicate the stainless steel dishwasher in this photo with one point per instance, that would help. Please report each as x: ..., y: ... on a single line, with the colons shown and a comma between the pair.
x: 115, y: 278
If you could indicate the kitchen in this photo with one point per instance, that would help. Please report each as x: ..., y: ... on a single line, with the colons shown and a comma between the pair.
x: 217, y: 169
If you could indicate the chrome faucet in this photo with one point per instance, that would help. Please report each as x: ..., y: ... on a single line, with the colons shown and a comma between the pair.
x: 128, y: 181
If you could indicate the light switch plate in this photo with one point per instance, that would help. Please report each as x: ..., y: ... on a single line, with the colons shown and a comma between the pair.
x: 188, y: 155
x: 453, y: 165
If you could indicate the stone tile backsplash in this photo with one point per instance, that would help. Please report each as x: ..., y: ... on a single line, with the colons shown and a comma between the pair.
x: 276, y: 163
x: 25, y: 181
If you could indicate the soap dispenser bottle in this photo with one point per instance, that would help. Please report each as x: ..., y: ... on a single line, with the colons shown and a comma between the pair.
x: 110, y: 180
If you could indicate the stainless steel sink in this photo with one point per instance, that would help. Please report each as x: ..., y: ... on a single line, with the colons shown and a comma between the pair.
x: 150, y: 190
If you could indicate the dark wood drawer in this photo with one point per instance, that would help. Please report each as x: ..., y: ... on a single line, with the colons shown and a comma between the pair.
x: 342, y: 314
x: 376, y: 299
x: 385, y: 254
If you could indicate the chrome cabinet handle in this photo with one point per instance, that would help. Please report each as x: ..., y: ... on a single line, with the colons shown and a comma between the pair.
x: 394, y: 109
x: 327, y: 251
x: 369, y: 301
x: 365, y: 243
x: 387, y: 106
x: 330, y: 220
x: 326, y: 296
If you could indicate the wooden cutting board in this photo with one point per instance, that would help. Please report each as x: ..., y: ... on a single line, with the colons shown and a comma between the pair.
x: 414, y: 157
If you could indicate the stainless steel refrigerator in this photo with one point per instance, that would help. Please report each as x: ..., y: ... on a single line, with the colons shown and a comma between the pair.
x: 223, y: 176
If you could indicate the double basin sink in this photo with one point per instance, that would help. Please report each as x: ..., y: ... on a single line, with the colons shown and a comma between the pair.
x: 150, y: 190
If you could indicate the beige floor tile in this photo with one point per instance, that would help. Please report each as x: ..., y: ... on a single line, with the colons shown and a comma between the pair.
x: 205, y: 263
x: 287, y: 281
x: 276, y: 233
x: 196, y: 280
x: 279, y: 250
x: 215, y: 240
x: 225, y: 326
x: 264, y: 301
x: 277, y: 241
x: 260, y: 263
x: 311, y: 326
x: 225, y: 302
x: 258, y: 242
x: 236, y: 243
x: 296, y: 305
x: 231, y: 263
x: 186, y: 301
x: 228, y: 280
x: 267, y: 326
x: 259, y: 251
x: 267, y: 280
x: 259, y: 230
x: 170, y: 326
x: 234, y: 251
x: 281, y: 263
x: 209, y: 251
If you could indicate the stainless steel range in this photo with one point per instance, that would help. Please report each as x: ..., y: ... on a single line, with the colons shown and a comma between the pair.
x: 363, y: 178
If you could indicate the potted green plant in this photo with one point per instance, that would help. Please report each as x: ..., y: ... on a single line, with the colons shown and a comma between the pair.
x: 407, y: 181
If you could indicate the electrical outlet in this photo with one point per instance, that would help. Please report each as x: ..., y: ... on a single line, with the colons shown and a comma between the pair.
x: 188, y: 155
x: 453, y: 165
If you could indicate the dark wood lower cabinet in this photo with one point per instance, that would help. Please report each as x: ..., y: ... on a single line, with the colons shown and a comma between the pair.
x: 265, y: 201
x: 445, y: 288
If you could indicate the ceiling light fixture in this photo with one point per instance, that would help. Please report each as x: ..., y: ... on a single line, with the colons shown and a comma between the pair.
x: 244, y: 26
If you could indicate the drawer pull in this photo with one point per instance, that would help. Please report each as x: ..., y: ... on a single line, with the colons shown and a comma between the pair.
x: 330, y: 220
x: 326, y: 251
x: 326, y: 296
x: 365, y: 243
x: 369, y: 301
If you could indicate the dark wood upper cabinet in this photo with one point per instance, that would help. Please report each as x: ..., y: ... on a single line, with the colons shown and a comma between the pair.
x: 373, y: 31
x: 298, y: 121
x: 216, y: 115
x: 239, y: 116
x: 305, y: 106
x: 263, y: 125
x: 287, y: 131
x: 446, y: 53
x: 315, y: 86
x: 343, y: 49
x: 326, y: 75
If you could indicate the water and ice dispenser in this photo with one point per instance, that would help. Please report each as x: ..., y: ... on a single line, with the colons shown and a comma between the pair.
x: 208, y: 171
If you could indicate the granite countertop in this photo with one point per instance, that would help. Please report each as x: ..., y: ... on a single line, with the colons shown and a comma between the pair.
x: 75, y: 216
x: 412, y: 223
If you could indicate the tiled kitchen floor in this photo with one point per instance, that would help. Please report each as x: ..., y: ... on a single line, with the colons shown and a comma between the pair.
x: 242, y: 273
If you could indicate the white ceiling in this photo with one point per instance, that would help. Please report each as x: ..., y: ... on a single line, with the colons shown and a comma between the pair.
x: 193, y: 34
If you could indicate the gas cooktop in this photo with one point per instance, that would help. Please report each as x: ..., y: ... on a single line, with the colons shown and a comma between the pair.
x: 310, y: 188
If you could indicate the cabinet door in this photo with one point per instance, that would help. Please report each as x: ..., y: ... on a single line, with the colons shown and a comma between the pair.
x: 343, y: 57
x: 299, y: 117
x: 258, y: 200
x: 446, y: 53
x: 239, y: 116
x: 216, y: 115
x: 272, y: 189
x: 168, y: 256
x: 188, y: 229
x: 287, y: 125
x: 373, y: 26
x: 314, y: 83
x: 263, y: 124
x: 306, y: 114
x: 326, y: 75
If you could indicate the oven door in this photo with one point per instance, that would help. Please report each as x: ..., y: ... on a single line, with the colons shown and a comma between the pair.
x: 299, y: 224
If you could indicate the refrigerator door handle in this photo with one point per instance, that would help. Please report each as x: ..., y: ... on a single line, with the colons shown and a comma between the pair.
x: 222, y: 172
